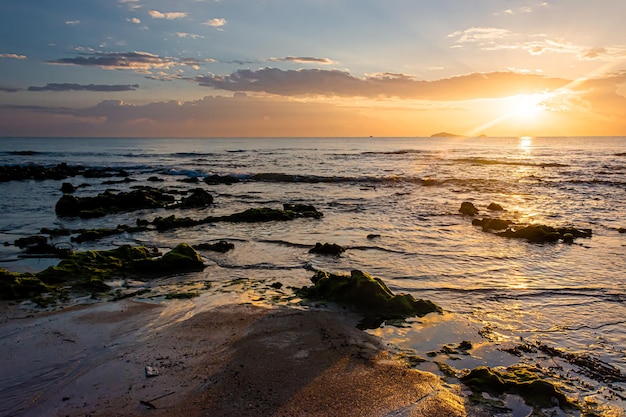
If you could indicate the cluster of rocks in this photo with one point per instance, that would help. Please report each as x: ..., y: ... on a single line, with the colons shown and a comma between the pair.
x: 141, y: 198
x: 57, y: 172
x: 534, y: 233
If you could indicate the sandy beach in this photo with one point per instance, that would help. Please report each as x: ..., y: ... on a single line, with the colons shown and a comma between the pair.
x: 231, y: 360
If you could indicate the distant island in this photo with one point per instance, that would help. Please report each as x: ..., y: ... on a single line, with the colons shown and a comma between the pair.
x: 452, y: 135
x: 446, y: 135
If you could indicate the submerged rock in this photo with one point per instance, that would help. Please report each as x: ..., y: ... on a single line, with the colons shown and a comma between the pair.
x: 520, y: 380
x: 492, y: 224
x: 495, y: 207
x: 327, y: 249
x: 368, y: 295
x: 468, y: 209
x: 544, y: 234
x: 222, y: 246
x: 221, y: 179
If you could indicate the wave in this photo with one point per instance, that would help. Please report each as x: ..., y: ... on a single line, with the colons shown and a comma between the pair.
x: 485, y: 161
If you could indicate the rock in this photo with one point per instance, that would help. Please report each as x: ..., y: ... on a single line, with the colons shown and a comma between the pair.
x: 151, y: 371
x: 327, y: 249
x: 519, y: 380
x: 15, y: 286
x: 110, y: 203
x: 155, y: 179
x: 542, y: 233
x: 67, y: 188
x: 495, y: 207
x: 199, y: 198
x: 492, y: 224
x: 622, y: 230
x: 303, y: 210
x: 221, y: 246
x: 468, y: 209
x: 261, y: 215
x: 38, y: 172
x: 366, y: 294
x: 373, y: 236
x: 221, y: 179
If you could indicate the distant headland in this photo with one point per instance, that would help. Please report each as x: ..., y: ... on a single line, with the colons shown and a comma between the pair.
x: 452, y: 135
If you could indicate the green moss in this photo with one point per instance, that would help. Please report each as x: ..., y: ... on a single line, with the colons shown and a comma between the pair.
x: 521, y: 381
x: 182, y: 295
x: 366, y: 294
x: 14, y: 285
x: 88, y: 271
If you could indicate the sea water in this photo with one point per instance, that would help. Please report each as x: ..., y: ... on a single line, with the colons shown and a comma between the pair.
x: 394, y: 204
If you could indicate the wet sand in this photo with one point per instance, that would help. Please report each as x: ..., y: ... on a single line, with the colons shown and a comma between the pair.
x: 232, y: 360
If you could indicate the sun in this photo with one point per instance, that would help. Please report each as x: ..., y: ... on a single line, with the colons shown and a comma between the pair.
x: 526, y: 107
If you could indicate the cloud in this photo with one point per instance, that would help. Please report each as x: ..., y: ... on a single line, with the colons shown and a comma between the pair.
x: 134, y: 20
x: 9, y: 89
x: 131, y: 4
x: 122, y: 60
x: 586, y: 107
x: 88, y: 87
x: 72, y: 22
x: 304, y: 60
x: 189, y: 35
x: 329, y: 83
x: 216, y: 22
x: 155, y: 14
x: 13, y: 56
x: 495, y: 39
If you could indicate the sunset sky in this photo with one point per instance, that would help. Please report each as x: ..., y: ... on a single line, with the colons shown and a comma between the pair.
x: 204, y: 68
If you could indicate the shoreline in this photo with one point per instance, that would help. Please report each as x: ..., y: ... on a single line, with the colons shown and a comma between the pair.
x: 230, y: 360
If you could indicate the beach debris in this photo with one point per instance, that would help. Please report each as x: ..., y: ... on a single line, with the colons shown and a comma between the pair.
x: 327, y: 249
x: 520, y: 380
x: 368, y: 295
x: 468, y: 209
x: 150, y: 403
x: 222, y: 246
x: 151, y: 372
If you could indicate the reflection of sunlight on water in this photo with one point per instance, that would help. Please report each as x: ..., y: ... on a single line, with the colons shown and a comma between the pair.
x: 526, y: 143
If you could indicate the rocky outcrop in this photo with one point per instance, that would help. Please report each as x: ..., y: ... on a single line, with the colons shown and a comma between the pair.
x: 368, y: 295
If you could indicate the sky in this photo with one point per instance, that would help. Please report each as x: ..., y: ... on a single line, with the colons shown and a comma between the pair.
x: 312, y: 68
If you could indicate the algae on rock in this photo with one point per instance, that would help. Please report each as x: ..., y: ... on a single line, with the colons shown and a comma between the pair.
x: 88, y: 271
x: 368, y: 295
x: 518, y: 380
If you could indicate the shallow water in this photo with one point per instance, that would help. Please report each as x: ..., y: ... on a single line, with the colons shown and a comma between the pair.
x: 408, y: 191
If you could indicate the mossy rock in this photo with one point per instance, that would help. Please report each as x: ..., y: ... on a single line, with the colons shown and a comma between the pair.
x: 182, y: 258
x: 366, y: 294
x: 15, y: 285
x: 522, y: 381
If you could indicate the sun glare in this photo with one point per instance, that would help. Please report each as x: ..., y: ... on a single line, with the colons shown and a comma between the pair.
x: 526, y: 106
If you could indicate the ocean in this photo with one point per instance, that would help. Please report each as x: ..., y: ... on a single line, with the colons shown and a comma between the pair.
x: 393, y: 203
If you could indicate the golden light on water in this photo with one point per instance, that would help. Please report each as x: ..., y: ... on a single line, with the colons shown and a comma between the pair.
x: 525, y: 143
